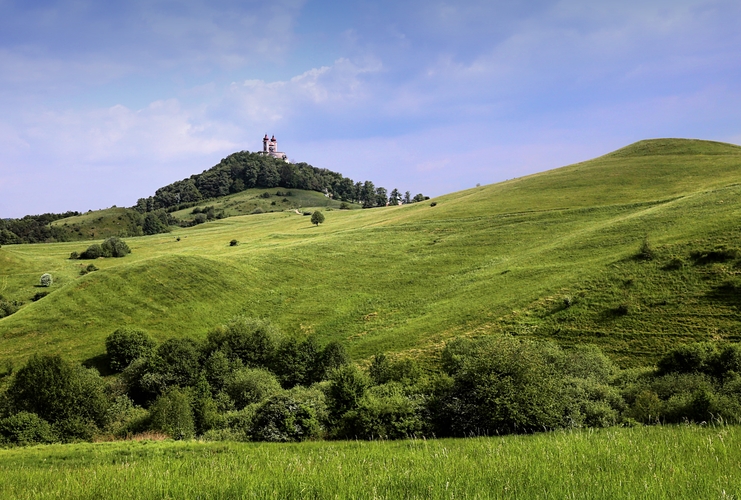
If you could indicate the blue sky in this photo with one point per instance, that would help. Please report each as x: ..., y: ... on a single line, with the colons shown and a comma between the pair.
x: 103, y: 102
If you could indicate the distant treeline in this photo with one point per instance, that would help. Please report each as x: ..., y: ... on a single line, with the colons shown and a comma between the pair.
x: 245, y: 170
x: 247, y: 381
x: 33, y: 229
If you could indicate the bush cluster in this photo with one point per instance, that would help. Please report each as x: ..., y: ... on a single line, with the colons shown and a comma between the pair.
x: 111, y: 247
x: 7, y: 307
x: 248, y: 381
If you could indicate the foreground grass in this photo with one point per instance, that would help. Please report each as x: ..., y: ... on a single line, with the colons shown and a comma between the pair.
x: 653, y: 462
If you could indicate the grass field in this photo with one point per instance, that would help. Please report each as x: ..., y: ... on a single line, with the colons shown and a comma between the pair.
x: 685, y: 462
x: 406, y: 279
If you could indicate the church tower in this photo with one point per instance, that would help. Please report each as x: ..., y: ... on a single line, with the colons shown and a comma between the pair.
x: 270, y: 148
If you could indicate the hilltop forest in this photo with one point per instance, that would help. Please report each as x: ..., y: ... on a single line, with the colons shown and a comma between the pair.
x: 237, y: 173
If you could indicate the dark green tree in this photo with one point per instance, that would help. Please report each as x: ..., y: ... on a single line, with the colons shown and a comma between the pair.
x: 317, y: 218
x: 125, y: 345
x: 56, y: 391
x: 115, y: 247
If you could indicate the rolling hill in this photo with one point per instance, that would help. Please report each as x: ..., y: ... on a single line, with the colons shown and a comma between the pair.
x: 554, y: 255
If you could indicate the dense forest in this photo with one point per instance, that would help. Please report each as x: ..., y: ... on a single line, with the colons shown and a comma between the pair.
x: 33, y: 229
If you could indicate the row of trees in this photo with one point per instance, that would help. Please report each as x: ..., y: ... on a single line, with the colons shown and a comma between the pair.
x: 245, y: 170
x: 247, y: 381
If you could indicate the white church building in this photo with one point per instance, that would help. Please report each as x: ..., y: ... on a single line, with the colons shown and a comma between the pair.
x: 270, y: 147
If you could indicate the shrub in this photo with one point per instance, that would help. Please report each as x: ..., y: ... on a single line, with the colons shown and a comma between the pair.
x: 250, y: 340
x: 233, y: 243
x: 56, y: 390
x: 317, y: 218
x: 39, y: 296
x: 172, y: 414
x: 217, y: 368
x: 646, y: 252
x: 505, y: 385
x: 344, y: 206
x: 266, y: 195
x: 251, y: 385
x: 115, y: 247
x: 334, y: 355
x: 433, y: 204
x: 384, y: 412
x: 177, y: 362
x: 24, y: 428
x: 383, y: 370
x: 123, y: 418
x: 94, y: 251
x: 281, y: 418
x: 199, y: 219
x: 347, y: 385
x: 125, y: 345
x: 297, y: 362
x: 258, y: 210
x: 691, y: 358
x: 74, y: 255
x: 647, y: 408
x: 7, y: 307
x: 46, y: 279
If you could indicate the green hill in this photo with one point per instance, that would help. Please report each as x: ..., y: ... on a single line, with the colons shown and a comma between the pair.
x: 551, y: 255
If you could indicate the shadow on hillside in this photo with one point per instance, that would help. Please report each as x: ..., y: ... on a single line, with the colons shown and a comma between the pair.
x: 728, y: 293
x: 100, y: 363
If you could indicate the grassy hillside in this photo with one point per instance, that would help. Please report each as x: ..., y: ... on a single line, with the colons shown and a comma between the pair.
x: 552, y: 255
x: 125, y: 222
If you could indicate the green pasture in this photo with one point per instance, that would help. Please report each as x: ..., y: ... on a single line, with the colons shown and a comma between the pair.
x: 684, y: 462
x: 246, y: 202
x: 503, y: 257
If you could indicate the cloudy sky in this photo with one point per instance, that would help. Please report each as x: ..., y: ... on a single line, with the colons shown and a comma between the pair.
x: 103, y: 102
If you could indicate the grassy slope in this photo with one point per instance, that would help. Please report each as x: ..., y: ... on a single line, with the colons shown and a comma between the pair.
x: 100, y: 224
x: 490, y: 259
x: 649, y: 462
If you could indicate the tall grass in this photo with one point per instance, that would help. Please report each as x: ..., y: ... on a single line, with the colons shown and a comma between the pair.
x: 647, y: 463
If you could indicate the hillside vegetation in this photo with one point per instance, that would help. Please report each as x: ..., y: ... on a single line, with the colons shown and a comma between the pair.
x: 635, y: 251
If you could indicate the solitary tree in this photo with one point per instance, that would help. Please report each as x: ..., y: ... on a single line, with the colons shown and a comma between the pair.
x: 317, y: 218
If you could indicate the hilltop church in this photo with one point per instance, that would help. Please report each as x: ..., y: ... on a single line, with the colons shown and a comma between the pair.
x: 270, y: 147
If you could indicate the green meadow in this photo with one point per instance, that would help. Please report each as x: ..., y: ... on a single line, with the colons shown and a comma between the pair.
x: 647, y: 462
x: 505, y: 257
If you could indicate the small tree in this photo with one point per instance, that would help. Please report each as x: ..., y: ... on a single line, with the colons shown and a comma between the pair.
x: 317, y: 218
x: 46, y: 279
x: 172, y: 414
